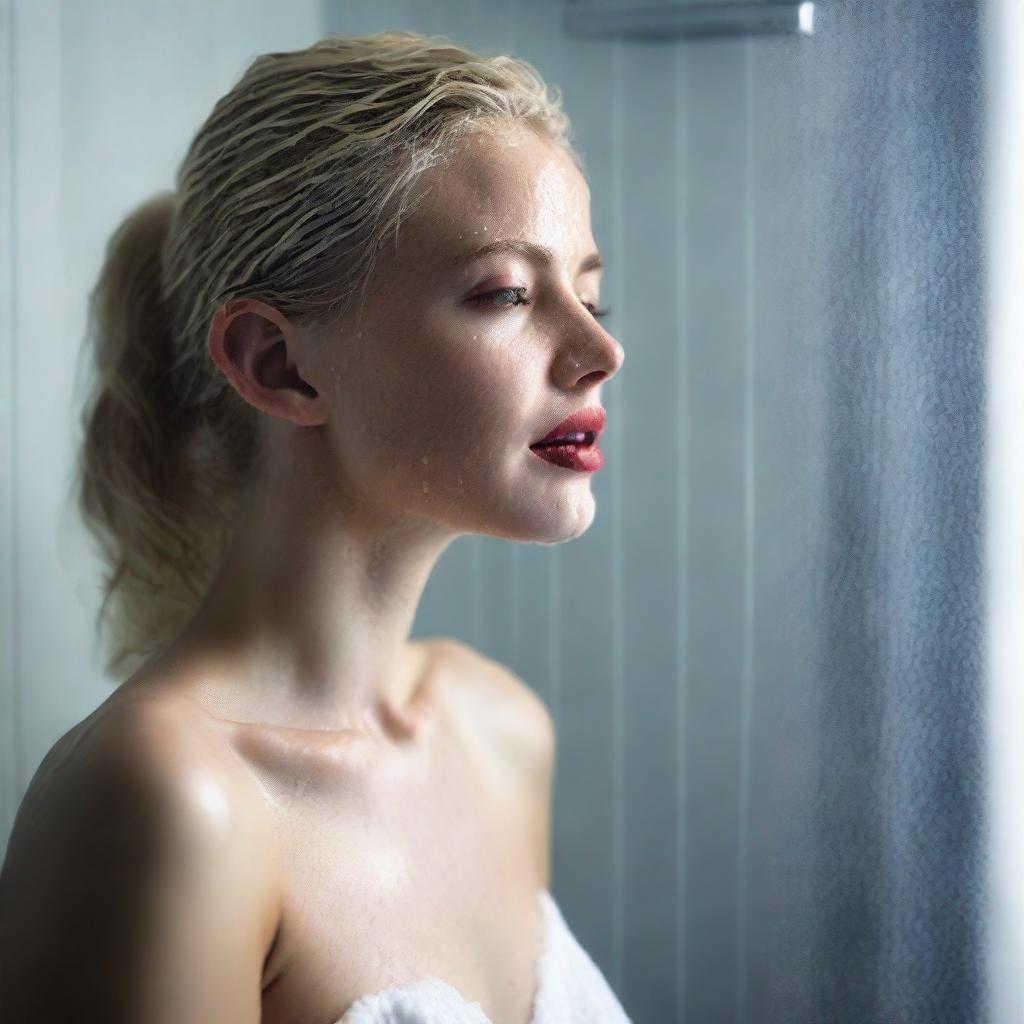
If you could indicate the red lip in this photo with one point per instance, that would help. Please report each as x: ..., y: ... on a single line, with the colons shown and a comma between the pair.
x: 585, y: 421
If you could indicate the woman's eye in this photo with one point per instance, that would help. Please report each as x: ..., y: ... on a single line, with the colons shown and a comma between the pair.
x: 518, y: 298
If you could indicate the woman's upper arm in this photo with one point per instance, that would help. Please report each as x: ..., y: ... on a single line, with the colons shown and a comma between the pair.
x: 134, y: 890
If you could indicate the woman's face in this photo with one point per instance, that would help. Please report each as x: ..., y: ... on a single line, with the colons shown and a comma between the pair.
x: 445, y: 385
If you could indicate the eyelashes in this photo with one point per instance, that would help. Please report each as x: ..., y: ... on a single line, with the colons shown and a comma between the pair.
x: 520, y: 299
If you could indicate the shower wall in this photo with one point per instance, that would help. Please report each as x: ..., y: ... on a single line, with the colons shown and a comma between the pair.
x: 674, y: 642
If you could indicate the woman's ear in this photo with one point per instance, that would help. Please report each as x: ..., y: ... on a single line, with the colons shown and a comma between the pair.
x: 261, y: 354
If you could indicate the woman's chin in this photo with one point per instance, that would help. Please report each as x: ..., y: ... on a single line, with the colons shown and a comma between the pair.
x: 562, y: 521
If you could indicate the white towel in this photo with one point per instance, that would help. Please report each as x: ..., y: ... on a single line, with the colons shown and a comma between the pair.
x: 570, y: 989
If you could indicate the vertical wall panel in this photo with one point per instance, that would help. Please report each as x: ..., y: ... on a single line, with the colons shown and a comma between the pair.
x: 715, y: 171
x: 681, y: 129
x: 651, y: 409
x: 10, y: 736
x: 788, y: 419
x: 47, y: 670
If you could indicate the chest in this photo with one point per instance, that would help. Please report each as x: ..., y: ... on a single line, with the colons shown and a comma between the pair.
x: 422, y: 867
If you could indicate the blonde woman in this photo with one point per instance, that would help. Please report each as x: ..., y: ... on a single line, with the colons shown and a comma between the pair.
x: 337, y: 346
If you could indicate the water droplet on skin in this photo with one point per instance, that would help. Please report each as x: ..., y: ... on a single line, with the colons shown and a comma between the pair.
x: 424, y: 460
x: 426, y: 487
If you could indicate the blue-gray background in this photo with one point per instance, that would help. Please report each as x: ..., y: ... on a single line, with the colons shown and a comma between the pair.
x: 764, y: 657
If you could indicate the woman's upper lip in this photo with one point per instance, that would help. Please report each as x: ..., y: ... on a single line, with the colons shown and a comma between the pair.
x: 582, y: 421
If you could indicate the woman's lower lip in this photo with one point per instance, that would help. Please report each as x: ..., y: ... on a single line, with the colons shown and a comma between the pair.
x: 586, y: 458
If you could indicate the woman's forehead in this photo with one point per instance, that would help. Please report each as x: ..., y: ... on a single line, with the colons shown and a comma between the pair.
x: 486, y: 193
x: 499, y: 172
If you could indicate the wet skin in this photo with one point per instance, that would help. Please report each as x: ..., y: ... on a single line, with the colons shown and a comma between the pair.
x: 360, y: 809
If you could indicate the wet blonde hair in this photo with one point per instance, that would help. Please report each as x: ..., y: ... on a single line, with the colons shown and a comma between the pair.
x: 288, y: 191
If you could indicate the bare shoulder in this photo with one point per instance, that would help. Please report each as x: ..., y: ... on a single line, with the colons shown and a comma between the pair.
x: 518, y: 717
x: 147, y: 757
x: 156, y: 749
x: 130, y: 846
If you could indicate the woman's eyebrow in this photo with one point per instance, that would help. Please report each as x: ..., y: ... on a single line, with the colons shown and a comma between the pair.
x: 539, y: 254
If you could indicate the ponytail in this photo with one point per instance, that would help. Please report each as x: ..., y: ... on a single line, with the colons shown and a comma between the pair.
x: 137, y: 484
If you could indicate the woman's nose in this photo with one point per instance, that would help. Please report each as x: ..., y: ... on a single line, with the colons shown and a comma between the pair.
x: 594, y: 360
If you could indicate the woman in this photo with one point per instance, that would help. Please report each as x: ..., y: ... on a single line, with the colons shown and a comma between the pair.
x: 329, y: 354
